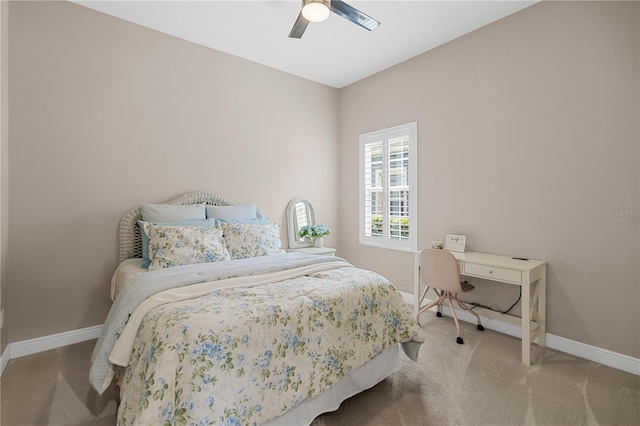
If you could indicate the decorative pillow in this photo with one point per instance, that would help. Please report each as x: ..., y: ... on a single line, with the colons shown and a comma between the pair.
x: 183, y: 245
x: 172, y: 212
x: 240, y: 211
x: 145, y: 238
x: 245, y: 240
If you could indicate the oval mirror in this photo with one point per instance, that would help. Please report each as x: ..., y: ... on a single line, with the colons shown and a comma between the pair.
x: 300, y: 212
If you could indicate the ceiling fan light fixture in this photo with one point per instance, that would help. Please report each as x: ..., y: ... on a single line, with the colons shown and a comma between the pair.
x: 315, y: 10
x: 319, y: 10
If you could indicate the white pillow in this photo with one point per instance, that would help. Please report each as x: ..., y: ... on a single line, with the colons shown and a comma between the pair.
x: 246, y: 240
x: 171, y: 212
x: 183, y: 245
x: 240, y: 211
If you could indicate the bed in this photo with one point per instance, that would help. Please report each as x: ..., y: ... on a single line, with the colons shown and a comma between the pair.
x: 213, y: 322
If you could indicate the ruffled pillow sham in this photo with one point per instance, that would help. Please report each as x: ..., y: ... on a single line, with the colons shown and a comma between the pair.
x: 183, y: 245
x: 248, y: 240
x: 145, y: 239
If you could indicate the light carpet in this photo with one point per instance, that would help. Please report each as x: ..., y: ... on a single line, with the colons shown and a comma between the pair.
x: 479, y: 383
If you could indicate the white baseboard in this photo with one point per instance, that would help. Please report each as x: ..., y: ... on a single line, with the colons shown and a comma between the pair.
x: 40, y: 344
x: 581, y: 350
x: 562, y: 344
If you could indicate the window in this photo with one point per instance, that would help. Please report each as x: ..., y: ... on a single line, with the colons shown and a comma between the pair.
x: 388, y: 194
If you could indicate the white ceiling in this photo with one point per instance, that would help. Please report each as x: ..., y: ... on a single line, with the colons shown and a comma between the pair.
x: 335, y: 52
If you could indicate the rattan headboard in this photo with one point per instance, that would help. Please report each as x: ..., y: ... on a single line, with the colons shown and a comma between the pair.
x: 129, y: 239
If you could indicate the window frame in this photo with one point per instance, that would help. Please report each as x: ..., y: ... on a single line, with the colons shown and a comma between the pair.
x: 387, y: 137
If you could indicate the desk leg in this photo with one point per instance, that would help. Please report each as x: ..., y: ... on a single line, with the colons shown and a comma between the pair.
x: 416, y: 284
x: 542, y: 310
x: 526, y: 320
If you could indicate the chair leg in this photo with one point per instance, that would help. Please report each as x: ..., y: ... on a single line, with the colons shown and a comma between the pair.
x: 471, y: 311
x: 439, y: 309
x: 448, y: 296
x: 424, y: 294
x: 455, y: 318
x: 438, y: 301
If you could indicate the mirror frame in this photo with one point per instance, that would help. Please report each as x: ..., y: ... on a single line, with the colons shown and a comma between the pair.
x: 292, y: 223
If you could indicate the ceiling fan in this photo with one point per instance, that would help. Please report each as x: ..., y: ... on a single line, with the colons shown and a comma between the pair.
x: 318, y: 11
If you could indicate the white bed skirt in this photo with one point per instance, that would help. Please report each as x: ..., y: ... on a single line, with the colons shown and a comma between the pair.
x: 351, y: 384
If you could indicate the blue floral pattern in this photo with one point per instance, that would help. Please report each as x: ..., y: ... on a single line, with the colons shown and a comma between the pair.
x: 248, y: 240
x: 243, y: 356
x: 184, y: 245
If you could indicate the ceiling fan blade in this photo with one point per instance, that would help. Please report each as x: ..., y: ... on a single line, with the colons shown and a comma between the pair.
x: 354, y: 15
x: 299, y: 27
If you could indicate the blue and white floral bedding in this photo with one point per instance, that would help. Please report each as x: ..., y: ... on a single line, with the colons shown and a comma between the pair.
x: 244, y: 354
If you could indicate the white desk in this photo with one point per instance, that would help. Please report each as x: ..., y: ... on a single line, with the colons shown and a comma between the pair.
x: 505, y: 269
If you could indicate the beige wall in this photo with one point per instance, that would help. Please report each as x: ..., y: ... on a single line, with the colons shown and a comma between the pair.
x: 528, y: 134
x: 539, y: 112
x: 4, y: 169
x: 105, y: 114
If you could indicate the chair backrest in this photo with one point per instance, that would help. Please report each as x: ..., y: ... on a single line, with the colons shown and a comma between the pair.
x: 439, y: 269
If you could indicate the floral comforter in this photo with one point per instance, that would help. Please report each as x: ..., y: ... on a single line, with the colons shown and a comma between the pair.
x: 245, y: 355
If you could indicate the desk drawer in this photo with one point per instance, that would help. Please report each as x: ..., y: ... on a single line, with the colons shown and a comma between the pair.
x: 493, y: 273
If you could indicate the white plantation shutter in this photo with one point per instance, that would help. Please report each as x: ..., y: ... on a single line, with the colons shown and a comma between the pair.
x: 388, y: 203
x: 373, y: 187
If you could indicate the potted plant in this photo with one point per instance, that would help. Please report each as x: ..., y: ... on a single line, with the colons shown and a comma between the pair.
x: 314, y: 233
